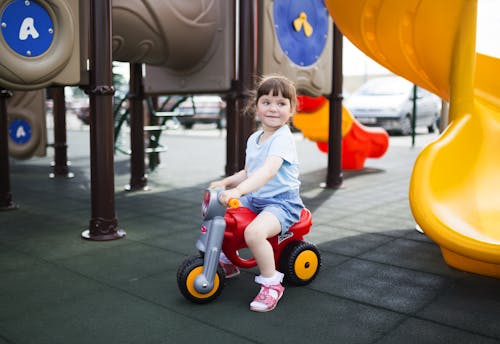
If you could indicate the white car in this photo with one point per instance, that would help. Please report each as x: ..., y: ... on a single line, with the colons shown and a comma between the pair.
x: 387, y: 102
x: 202, y: 109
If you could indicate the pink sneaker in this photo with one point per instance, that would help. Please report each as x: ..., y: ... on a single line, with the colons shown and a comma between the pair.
x: 231, y: 270
x: 267, y: 298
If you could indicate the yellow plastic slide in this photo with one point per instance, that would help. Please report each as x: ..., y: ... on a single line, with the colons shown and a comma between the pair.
x: 455, y: 185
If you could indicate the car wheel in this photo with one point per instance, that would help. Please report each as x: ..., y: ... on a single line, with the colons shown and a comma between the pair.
x: 434, y: 124
x: 406, y: 125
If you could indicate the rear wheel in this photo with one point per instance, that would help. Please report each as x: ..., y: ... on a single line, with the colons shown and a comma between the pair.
x: 191, y: 268
x: 300, y: 262
x: 406, y: 125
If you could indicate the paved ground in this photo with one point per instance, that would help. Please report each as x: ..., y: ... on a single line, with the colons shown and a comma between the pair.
x: 381, y: 281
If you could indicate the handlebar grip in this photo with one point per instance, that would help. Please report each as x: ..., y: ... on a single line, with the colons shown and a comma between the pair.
x: 233, y: 203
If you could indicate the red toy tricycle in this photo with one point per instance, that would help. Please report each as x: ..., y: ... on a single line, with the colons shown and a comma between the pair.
x: 200, y: 278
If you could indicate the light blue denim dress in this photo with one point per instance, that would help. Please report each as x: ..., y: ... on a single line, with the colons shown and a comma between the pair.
x: 280, y: 196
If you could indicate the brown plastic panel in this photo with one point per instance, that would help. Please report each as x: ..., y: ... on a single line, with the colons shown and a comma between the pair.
x: 60, y: 64
x: 30, y: 106
x: 188, y: 46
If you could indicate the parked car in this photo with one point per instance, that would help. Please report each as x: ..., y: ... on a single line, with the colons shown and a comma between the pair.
x: 202, y: 109
x: 387, y: 102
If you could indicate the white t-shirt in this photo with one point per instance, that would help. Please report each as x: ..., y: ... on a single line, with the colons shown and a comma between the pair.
x: 281, y: 144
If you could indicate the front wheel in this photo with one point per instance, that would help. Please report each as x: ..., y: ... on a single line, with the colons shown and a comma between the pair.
x: 300, y: 262
x: 191, y: 268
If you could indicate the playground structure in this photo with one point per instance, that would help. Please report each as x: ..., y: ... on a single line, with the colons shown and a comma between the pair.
x: 358, y: 141
x: 454, y: 191
x: 301, y: 51
x: 187, y: 46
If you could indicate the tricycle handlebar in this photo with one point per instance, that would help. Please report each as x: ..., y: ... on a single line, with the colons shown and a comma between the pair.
x: 233, y: 203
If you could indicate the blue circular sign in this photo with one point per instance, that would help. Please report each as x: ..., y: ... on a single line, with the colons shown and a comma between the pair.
x: 27, y: 28
x: 20, y: 131
x: 302, y: 29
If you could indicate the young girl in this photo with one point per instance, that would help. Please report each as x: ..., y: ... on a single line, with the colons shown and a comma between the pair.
x: 268, y: 184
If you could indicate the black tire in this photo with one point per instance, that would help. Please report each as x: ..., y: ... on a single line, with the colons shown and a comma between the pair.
x: 187, y: 273
x: 434, y: 125
x: 300, y: 262
x: 406, y: 125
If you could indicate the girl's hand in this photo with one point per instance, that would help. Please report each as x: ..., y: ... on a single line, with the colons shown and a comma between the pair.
x: 225, y: 196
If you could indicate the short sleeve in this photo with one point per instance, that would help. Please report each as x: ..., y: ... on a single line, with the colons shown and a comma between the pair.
x: 283, y: 145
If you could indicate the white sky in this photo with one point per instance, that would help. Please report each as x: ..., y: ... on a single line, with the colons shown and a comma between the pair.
x: 487, y: 42
x: 488, y: 27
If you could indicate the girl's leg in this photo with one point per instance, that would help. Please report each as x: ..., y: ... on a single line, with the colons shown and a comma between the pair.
x: 264, y: 226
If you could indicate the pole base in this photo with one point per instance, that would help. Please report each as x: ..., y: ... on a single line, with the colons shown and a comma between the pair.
x: 10, y: 206
x: 131, y: 188
x: 120, y: 233
x: 331, y: 185
x: 67, y: 175
x: 6, y: 202
x: 61, y: 171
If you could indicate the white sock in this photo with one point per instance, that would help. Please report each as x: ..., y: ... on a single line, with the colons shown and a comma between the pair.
x: 269, y: 281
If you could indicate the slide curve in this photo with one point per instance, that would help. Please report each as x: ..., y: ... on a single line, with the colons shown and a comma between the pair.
x: 454, y: 188
x: 358, y: 141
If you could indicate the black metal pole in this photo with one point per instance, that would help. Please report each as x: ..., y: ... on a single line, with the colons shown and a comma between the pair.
x: 60, y: 165
x: 246, y: 73
x: 138, y: 177
x: 232, y: 131
x: 6, y: 202
x: 334, y: 176
x: 238, y: 125
x: 103, y: 223
x: 154, y: 155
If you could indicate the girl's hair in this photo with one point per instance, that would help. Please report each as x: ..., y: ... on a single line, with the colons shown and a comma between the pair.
x: 276, y: 84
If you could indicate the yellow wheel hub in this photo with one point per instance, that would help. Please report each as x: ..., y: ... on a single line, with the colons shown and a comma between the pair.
x: 306, y: 265
x: 190, y: 283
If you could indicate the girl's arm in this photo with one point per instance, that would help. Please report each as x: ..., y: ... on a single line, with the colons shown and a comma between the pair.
x: 230, y: 181
x: 260, y: 177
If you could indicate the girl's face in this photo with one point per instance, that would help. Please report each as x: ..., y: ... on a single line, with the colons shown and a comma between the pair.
x: 273, y: 111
